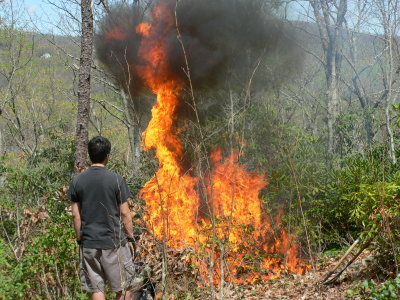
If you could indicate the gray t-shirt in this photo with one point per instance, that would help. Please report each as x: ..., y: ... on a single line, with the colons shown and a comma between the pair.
x: 100, y: 192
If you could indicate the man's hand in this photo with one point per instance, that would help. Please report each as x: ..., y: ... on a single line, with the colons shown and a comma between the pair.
x: 132, y: 243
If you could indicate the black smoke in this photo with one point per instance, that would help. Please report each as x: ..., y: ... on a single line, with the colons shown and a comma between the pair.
x: 117, y: 44
x: 220, y: 37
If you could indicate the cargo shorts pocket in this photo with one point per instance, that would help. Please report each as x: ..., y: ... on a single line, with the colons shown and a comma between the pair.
x: 118, y: 266
x: 129, y: 268
x: 91, y: 274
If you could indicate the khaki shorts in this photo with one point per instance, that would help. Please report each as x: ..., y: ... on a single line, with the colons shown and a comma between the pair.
x: 115, y: 265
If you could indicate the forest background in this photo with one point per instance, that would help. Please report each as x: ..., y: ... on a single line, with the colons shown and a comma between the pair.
x: 320, y: 121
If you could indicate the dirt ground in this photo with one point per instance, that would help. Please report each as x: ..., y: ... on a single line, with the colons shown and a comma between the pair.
x: 182, y: 282
x: 294, y: 286
x: 305, y: 287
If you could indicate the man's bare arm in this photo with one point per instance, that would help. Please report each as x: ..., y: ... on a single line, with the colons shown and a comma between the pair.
x: 76, y: 217
x: 127, y: 218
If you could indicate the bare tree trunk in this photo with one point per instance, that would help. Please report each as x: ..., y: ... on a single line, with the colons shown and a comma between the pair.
x: 129, y: 122
x: 133, y: 126
x: 333, y: 101
x: 357, y: 85
x: 387, y: 14
x: 392, y: 153
x: 137, y: 140
x: 82, y: 134
x: 388, y: 103
x: 1, y: 141
x: 330, y: 17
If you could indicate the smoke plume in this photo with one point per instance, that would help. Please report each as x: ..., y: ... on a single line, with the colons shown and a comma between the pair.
x: 219, y: 37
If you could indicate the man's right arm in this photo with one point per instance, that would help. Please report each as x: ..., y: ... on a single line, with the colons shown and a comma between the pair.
x: 126, y: 218
x: 76, y: 216
x: 76, y: 209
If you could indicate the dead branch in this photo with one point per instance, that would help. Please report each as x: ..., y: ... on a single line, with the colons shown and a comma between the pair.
x: 340, y: 261
x: 353, y: 259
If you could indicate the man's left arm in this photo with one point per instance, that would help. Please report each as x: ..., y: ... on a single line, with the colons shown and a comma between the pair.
x: 124, y: 197
x: 76, y: 216
x: 127, y: 218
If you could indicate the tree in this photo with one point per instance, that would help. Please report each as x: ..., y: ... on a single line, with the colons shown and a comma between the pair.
x: 387, y: 14
x: 121, y: 105
x: 82, y: 120
x: 17, y: 52
x: 330, y: 17
x: 357, y: 83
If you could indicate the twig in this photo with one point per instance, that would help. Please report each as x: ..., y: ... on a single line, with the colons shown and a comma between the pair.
x: 7, y: 236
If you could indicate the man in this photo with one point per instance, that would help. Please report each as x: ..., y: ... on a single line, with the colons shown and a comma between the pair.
x: 100, y: 209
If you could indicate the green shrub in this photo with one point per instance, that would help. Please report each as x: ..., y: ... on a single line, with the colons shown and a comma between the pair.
x: 390, y: 289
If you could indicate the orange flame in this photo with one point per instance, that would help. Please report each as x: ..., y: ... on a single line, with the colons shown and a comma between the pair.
x: 169, y: 194
x: 115, y: 34
x: 253, y: 250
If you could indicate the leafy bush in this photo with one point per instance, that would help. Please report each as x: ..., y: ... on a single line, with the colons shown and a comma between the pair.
x: 355, y: 197
x: 37, y: 245
x: 390, y: 289
x: 48, y: 266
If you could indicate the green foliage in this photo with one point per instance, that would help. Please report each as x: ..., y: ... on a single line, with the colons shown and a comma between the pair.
x: 353, y: 196
x: 28, y: 184
x: 367, y: 289
x: 49, y: 264
x: 38, y: 228
x: 6, y: 282
x: 374, y: 202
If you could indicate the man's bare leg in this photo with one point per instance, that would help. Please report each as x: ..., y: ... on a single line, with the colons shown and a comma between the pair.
x: 127, y: 294
x: 98, y: 296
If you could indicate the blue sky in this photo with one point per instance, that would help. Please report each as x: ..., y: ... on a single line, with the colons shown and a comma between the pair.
x: 44, y: 15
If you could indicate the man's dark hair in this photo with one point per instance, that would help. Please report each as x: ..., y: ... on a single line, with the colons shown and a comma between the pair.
x: 98, y: 149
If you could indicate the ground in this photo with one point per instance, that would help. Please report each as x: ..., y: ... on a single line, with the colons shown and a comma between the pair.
x: 183, y: 283
x: 308, y: 286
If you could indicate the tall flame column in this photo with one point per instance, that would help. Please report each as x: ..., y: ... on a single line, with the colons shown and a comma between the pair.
x: 170, y: 195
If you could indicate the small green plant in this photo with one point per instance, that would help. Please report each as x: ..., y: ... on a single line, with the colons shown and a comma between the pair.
x: 367, y: 289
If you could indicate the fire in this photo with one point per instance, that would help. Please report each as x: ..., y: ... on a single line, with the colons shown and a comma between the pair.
x: 144, y: 29
x: 236, y: 191
x: 169, y: 195
x: 115, y: 34
x: 249, y: 248
x: 255, y: 251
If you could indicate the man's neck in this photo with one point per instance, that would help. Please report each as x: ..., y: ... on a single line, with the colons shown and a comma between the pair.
x: 98, y: 165
x: 103, y: 163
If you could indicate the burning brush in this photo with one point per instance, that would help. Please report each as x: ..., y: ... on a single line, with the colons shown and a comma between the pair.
x: 181, y: 46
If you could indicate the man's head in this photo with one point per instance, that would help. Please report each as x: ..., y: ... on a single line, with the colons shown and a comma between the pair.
x: 99, y: 148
